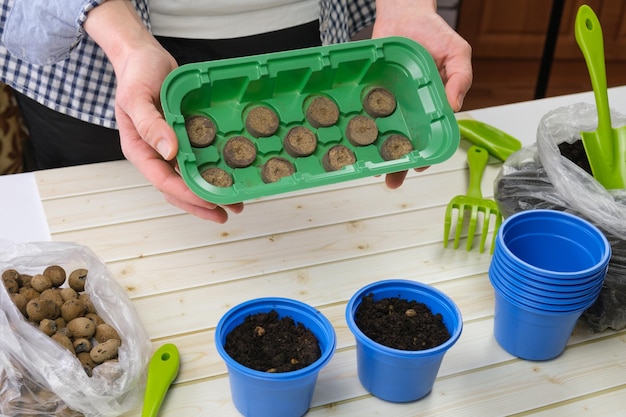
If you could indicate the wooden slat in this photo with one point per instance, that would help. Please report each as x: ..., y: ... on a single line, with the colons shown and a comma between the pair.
x: 321, y: 245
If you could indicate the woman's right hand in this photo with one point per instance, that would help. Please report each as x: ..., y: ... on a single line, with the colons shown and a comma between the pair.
x: 148, y: 142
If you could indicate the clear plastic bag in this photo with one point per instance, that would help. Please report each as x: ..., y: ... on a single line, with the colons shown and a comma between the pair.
x: 540, y: 176
x: 38, y: 377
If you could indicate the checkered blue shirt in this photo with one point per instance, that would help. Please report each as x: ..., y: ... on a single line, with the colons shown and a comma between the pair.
x: 46, y: 55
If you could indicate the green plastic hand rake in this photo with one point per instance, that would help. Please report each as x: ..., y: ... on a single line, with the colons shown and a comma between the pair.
x: 605, y: 147
x: 473, y: 202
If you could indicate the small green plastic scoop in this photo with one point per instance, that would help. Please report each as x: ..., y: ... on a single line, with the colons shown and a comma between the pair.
x: 162, y: 371
x: 606, y: 147
x: 498, y: 143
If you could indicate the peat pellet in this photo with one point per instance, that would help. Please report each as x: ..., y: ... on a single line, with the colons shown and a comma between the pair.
x: 300, y: 141
x: 261, y: 122
x: 379, y: 102
x: 276, y: 168
x: 338, y: 157
x: 239, y: 152
x: 217, y: 177
x: 322, y: 112
x: 361, y: 131
x: 201, y: 131
x: 395, y: 147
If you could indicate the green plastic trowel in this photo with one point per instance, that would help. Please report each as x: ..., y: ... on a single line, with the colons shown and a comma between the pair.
x: 162, y: 371
x: 605, y: 147
x: 498, y: 143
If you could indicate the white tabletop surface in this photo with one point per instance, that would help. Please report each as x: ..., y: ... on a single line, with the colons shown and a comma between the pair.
x: 320, y: 246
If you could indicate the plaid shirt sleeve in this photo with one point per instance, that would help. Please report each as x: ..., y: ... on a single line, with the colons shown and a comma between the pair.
x: 43, y: 32
x: 77, y: 79
x: 341, y: 19
x: 50, y: 59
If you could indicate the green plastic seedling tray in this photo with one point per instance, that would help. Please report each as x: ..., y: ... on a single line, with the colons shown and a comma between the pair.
x: 224, y: 90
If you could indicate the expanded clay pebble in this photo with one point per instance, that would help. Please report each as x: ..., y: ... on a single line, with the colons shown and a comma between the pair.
x: 105, y: 351
x: 82, y: 345
x: 53, y: 294
x: 300, y: 141
x: 29, y: 293
x: 11, y: 273
x: 361, y: 131
x: 105, y: 332
x: 77, y: 279
x: 49, y: 327
x: 276, y: 168
x: 68, y: 293
x: 338, y: 157
x: 11, y: 285
x: 322, y: 112
x: 239, y: 152
x: 64, y: 341
x: 201, y: 131
x: 67, y: 315
x: 261, y: 122
x: 56, y: 274
x: 72, y: 309
x: 87, y: 363
x: 217, y: 177
x: 81, y: 327
x: 20, y: 302
x: 379, y: 102
x: 38, y: 309
x: 40, y: 282
x: 395, y: 146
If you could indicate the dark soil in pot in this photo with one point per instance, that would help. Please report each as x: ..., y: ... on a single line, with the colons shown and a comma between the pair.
x: 269, y: 343
x: 401, y: 324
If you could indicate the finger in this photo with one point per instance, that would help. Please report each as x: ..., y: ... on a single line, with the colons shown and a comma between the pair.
x: 395, y: 179
x: 457, y: 86
x: 216, y: 214
x: 150, y: 124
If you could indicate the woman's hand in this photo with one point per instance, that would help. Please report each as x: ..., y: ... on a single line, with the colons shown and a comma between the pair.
x: 148, y: 142
x: 418, y: 20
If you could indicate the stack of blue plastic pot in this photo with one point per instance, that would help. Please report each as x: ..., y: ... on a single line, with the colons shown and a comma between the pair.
x: 547, y: 268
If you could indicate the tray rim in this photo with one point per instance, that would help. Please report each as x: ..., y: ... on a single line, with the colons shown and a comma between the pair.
x: 233, y: 194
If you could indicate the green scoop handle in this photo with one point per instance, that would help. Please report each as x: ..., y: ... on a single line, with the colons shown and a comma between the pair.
x: 498, y: 143
x: 162, y: 371
x: 606, y: 147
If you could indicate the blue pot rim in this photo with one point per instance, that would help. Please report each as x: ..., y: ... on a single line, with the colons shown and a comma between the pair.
x: 497, y: 286
x: 431, y: 291
x: 579, y: 221
x: 327, y: 347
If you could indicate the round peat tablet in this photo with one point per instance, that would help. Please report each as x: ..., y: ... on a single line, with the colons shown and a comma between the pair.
x: 201, y: 131
x: 338, y: 157
x: 379, y: 102
x: 395, y: 147
x: 361, y: 131
x: 239, y: 152
x: 217, y: 177
x: 300, y: 141
x: 322, y: 112
x: 276, y: 168
x: 261, y: 122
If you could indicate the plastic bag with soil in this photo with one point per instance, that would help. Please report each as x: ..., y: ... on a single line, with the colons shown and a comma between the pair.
x: 39, y: 377
x: 554, y: 174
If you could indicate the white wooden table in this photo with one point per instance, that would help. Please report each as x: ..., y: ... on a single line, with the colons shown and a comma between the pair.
x: 320, y: 246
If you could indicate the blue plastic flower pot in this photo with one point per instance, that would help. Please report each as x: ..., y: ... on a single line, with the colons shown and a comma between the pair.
x: 552, y: 244
x: 401, y: 375
x: 523, y: 300
x: 532, y: 334
x: 518, y: 289
x: 531, y: 283
x: 263, y: 394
